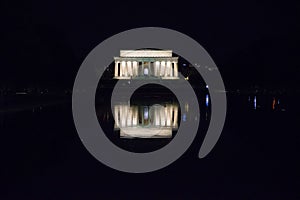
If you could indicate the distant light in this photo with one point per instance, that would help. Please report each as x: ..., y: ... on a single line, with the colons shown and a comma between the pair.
x: 184, y: 117
x: 207, y: 100
x: 273, y: 103
x: 206, y: 86
x: 184, y: 64
x: 254, y: 101
x: 186, y: 78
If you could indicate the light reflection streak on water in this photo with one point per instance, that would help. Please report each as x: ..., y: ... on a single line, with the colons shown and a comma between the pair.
x: 206, y: 100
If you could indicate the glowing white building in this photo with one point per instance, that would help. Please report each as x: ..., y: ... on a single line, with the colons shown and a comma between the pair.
x: 146, y: 64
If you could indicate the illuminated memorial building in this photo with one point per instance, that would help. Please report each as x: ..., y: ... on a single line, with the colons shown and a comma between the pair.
x: 146, y: 64
x: 154, y: 121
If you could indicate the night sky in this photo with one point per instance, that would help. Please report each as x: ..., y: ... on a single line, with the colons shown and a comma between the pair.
x: 255, y: 45
x: 252, y: 43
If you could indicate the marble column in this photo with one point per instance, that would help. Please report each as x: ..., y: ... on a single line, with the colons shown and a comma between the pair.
x: 169, y: 68
x: 134, y: 68
x: 162, y: 68
x: 116, y: 69
x: 129, y: 68
x: 126, y: 70
x: 122, y: 68
x: 175, y: 69
x: 156, y: 68
x: 149, y: 68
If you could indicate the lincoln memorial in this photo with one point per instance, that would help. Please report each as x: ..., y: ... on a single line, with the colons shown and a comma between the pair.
x: 146, y: 64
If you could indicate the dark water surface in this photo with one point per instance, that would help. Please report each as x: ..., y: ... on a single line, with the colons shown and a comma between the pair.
x: 257, y: 156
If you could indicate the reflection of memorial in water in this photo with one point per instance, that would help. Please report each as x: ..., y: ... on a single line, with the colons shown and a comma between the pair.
x: 155, y: 121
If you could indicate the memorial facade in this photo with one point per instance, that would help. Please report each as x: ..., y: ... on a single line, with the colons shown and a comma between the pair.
x: 133, y: 64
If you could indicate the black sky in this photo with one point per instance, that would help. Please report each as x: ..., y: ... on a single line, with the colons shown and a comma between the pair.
x: 252, y: 42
